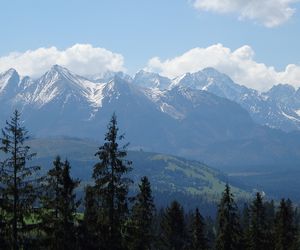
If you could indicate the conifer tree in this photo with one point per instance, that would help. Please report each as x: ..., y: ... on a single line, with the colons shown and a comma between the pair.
x: 285, y: 229
x: 198, y: 238
x: 90, y: 238
x: 258, y: 229
x: 245, y: 225
x: 111, y: 187
x: 18, y: 189
x: 50, y: 202
x: 141, y: 221
x: 228, y: 227
x: 59, y: 205
x: 211, y: 235
x: 173, y: 232
x: 270, y: 222
x: 68, y: 208
x: 3, y: 234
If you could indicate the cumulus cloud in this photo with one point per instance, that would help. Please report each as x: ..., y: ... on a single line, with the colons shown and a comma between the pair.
x: 239, y: 64
x: 81, y: 58
x: 270, y: 13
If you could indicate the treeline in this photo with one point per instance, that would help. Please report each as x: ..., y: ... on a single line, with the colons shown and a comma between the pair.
x: 41, y: 212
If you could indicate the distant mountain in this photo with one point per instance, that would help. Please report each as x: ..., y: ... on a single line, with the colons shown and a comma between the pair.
x: 151, y: 80
x: 193, y: 117
x: 277, y: 108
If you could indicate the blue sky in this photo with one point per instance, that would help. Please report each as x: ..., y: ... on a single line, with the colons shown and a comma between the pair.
x: 140, y: 30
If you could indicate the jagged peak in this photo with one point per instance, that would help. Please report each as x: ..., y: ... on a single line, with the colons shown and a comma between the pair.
x: 149, y: 79
x: 9, y: 79
x: 60, y: 70
x: 283, y: 86
x: 145, y: 72
x: 9, y: 73
x: 211, y: 70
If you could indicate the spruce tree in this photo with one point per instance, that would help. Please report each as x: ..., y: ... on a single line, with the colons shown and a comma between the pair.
x: 211, y: 234
x: 19, y: 182
x: 258, y: 229
x: 140, y: 227
x: 3, y: 233
x: 68, y: 209
x: 59, y: 205
x: 285, y: 229
x: 173, y: 232
x: 50, y: 201
x: 245, y: 225
x: 228, y: 227
x: 198, y: 237
x: 89, y: 238
x: 111, y: 187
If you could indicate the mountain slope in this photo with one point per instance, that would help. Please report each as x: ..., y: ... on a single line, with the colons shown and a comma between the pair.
x: 151, y: 80
x: 168, y: 174
x: 265, y: 109
x: 171, y: 177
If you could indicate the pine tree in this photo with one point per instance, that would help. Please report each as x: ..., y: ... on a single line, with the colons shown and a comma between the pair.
x: 285, y: 229
x: 173, y: 232
x: 140, y: 224
x: 111, y: 187
x: 198, y: 238
x: 59, y: 207
x: 18, y: 189
x: 258, y: 229
x: 228, y: 227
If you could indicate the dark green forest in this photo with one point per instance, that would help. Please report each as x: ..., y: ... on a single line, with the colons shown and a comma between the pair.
x: 43, y: 211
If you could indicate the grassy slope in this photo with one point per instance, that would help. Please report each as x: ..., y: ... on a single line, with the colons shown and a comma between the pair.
x: 166, y: 173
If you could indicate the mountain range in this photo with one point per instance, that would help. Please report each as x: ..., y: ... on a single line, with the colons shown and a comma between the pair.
x: 202, y: 115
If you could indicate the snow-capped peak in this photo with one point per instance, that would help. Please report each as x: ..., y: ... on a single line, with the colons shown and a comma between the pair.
x: 9, y: 77
x: 151, y: 80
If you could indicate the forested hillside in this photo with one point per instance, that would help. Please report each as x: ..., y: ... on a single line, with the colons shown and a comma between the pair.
x: 40, y: 207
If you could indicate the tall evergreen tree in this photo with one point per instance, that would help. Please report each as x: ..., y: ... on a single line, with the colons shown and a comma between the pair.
x: 258, y: 229
x: 89, y: 238
x: 211, y: 235
x: 198, y: 237
x: 18, y: 189
x: 245, y: 225
x: 3, y: 230
x: 50, y: 202
x: 285, y: 229
x: 59, y: 204
x: 140, y: 226
x: 228, y: 227
x: 111, y: 187
x: 68, y: 209
x: 173, y: 231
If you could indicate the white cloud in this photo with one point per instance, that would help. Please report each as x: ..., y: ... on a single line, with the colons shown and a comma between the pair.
x: 238, y: 64
x: 270, y: 13
x: 81, y: 58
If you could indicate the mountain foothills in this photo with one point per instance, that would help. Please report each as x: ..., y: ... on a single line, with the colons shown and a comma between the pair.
x: 204, y: 115
x: 171, y: 177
